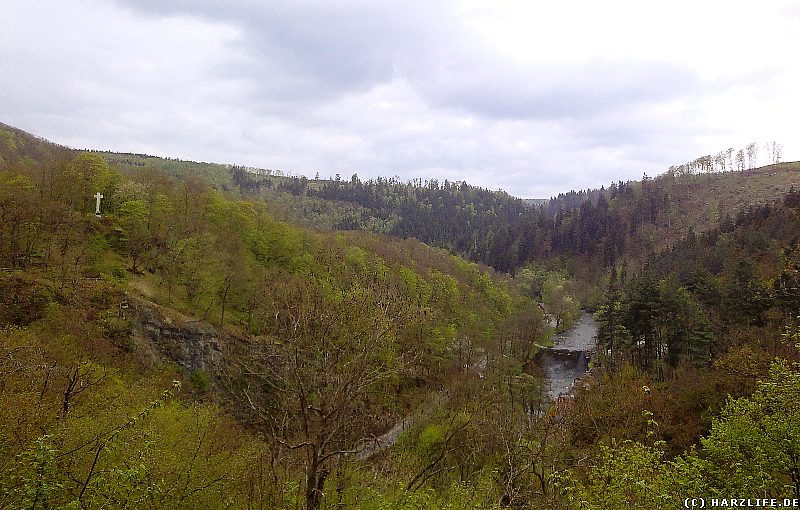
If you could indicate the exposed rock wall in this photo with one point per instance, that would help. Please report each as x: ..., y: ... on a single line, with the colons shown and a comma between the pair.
x: 193, y: 344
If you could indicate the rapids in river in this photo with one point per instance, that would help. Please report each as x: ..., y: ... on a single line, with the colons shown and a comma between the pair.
x: 568, y: 360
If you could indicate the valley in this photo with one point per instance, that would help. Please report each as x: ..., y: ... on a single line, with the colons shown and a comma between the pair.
x: 220, y: 337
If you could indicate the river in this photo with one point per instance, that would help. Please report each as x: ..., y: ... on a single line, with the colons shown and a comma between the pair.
x: 561, y: 365
x: 569, y: 358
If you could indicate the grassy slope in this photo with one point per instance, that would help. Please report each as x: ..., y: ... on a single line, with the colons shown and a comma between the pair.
x: 702, y: 201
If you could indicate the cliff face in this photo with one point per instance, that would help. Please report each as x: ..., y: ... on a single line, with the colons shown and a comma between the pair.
x: 193, y: 344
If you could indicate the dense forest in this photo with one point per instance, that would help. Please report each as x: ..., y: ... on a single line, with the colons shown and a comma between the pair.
x: 223, y: 338
x: 626, y: 220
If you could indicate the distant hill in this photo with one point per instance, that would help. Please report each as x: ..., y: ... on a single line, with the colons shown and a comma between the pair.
x: 17, y: 146
x: 697, y: 202
x: 626, y: 220
x: 701, y: 202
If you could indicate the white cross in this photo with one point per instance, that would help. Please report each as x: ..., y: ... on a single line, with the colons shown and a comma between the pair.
x: 97, y: 196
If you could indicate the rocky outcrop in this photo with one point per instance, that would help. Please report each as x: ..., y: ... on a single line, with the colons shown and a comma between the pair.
x: 193, y: 344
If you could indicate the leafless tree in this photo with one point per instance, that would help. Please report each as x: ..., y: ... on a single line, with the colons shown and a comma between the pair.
x: 740, y: 162
x: 752, y: 155
x: 775, y: 151
x: 719, y: 161
x: 320, y: 386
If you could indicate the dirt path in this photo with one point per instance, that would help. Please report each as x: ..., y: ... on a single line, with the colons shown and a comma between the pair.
x: 369, y: 447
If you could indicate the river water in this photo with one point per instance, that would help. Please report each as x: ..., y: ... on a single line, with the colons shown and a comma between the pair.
x: 569, y: 359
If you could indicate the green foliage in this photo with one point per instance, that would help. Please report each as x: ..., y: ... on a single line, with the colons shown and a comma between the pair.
x: 656, y: 323
x: 18, y: 219
x: 454, y: 497
x: 752, y: 448
x: 629, y: 475
x: 115, y: 326
x: 10, y: 140
x: 201, y: 380
x: 558, y: 301
x: 34, y: 484
x: 23, y: 298
x: 94, y: 171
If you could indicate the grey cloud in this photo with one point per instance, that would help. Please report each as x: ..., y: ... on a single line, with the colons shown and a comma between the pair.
x: 502, y: 90
x: 297, y: 54
x: 313, y: 51
x: 364, y: 87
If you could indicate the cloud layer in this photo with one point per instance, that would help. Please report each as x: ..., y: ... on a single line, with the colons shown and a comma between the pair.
x: 534, y: 99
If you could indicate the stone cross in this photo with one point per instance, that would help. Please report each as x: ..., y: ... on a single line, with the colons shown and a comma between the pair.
x: 97, y: 196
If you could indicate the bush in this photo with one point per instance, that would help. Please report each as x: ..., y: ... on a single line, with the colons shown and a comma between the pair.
x: 23, y: 299
x: 201, y: 380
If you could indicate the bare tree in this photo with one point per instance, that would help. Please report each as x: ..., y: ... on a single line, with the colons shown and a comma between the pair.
x: 740, y: 160
x: 321, y: 386
x: 752, y: 155
x: 706, y: 163
x: 719, y: 161
x: 79, y: 378
x: 775, y: 151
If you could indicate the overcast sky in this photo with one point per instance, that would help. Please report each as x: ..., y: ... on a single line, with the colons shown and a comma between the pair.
x: 531, y: 97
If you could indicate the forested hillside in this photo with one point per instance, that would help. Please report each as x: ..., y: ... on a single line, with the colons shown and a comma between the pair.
x: 626, y: 220
x: 19, y: 146
x: 587, y: 230
x: 191, y: 348
x: 313, y: 343
x: 705, y: 341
